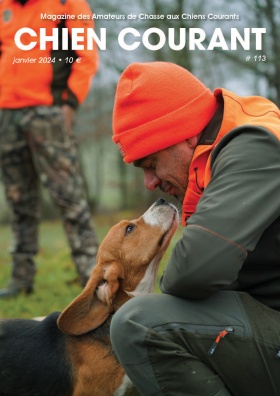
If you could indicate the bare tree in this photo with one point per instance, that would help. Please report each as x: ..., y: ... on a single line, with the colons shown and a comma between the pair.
x: 264, y: 65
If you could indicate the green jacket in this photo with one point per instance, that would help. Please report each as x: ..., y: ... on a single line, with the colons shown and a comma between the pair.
x: 232, y: 241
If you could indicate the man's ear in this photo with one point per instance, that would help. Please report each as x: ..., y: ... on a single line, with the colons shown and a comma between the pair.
x: 192, y: 142
x: 93, y: 306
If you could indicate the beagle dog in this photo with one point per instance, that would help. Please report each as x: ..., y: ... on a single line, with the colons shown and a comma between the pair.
x: 70, y: 353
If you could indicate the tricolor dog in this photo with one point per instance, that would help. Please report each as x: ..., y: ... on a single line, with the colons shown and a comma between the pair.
x: 70, y: 353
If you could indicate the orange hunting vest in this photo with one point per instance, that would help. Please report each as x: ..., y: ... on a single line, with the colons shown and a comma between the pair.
x: 40, y: 77
x: 238, y: 111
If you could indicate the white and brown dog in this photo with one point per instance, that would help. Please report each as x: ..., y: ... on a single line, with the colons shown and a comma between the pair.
x: 70, y: 353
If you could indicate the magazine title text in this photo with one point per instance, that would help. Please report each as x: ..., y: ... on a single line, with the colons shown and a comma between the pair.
x: 153, y: 39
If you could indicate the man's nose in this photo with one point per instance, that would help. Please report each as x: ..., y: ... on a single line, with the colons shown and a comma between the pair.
x: 151, y: 181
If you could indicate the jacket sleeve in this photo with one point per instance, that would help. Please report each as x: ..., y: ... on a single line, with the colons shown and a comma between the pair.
x: 83, y: 71
x: 239, y: 203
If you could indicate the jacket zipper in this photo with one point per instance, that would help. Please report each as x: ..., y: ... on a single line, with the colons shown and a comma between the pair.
x: 222, y: 334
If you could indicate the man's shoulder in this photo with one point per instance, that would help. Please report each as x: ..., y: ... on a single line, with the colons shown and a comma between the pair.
x: 245, y: 137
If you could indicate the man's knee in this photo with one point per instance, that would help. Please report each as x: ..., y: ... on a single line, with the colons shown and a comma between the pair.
x: 123, y: 321
x: 128, y: 332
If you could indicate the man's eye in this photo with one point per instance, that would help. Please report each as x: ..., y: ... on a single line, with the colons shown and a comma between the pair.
x: 129, y: 228
x: 150, y: 166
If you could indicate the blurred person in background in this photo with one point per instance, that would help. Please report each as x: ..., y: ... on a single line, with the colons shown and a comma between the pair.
x: 40, y: 91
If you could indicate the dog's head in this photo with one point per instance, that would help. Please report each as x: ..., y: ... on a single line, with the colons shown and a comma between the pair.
x: 127, y: 264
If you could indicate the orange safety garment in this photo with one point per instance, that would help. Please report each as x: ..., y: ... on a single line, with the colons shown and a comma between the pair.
x: 250, y: 111
x: 44, y: 77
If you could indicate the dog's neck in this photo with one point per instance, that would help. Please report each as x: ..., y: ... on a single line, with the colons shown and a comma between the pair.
x: 104, y: 330
x: 120, y: 298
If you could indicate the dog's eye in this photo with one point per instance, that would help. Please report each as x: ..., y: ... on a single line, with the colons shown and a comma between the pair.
x: 129, y: 228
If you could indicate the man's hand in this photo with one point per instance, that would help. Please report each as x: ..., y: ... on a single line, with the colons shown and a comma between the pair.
x: 69, y: 115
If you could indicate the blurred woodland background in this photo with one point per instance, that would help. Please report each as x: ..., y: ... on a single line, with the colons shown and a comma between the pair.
x: 113, y: 186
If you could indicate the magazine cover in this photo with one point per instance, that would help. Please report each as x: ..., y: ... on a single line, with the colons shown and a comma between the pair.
x: 167, y: 113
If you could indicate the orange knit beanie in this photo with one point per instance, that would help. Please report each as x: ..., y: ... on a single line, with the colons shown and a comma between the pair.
x: 157, y: 105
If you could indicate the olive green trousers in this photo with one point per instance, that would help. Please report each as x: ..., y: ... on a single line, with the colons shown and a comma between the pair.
x: 225, y: 345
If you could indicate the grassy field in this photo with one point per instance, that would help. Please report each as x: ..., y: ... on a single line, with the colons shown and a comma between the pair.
x: 55, y: 285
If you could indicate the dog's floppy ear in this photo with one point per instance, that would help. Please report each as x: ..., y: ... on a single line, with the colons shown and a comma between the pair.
x: 93, y: 306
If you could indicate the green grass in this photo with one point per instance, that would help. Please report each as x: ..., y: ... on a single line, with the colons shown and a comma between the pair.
x: 55, y: 287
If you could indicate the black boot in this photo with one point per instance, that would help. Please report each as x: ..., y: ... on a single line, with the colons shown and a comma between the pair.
x: 15, y: 288
x: 22, y: 277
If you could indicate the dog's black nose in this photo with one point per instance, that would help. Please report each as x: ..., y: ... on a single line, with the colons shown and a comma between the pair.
x: 161, y: 201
